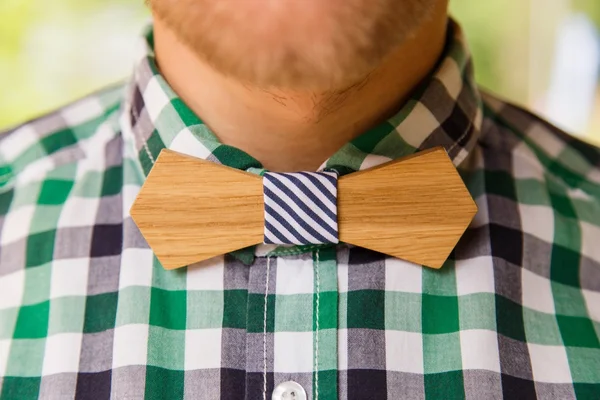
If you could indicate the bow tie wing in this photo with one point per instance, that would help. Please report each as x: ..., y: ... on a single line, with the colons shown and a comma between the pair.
x: 191, y: 210
x: 415, y: 208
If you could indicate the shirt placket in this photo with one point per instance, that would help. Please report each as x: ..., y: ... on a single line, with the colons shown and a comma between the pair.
x: 292, y: 325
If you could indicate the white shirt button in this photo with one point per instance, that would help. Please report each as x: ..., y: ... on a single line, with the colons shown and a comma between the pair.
x: 289, y: 390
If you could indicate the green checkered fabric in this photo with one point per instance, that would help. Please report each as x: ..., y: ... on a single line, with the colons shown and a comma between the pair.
x: 87, y: 311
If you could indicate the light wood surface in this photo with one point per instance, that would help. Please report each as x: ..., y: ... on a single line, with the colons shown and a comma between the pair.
x: 190, y: 209
x: 415, y: 208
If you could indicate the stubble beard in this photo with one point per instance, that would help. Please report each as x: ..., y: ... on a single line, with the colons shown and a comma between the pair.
x: 293, y: 44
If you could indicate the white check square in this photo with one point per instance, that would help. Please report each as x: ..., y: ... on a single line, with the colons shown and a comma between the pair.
x: 549, y: 363
x: 479, y: 350
x: 404, y: 351
x: 17, y: 224
x: 373, y: 160
x: 294, y: 276
x: 156, y: 99
x: 82, y: 111
x: 130, y: 345
x: 525, y: 164
x: 136, y: 268
x: 590, y: 241
x: 474, y: 275
x: 206, y: 275
x: 549, y: 142
x: 293, y: 352
x: 454, y: 82
x: 11, y: 289
x: 69, y: 277
x: 402, y: 276
x: 202, y: 349
x: 19, y: 141
x: 62, y: 353
x: 537, y: 292
x: 538, y: 221
x: 185, y: 142
x: 78, y: 211
x: 592, y: 300
x: 129, y: 193
x: 418, y: 121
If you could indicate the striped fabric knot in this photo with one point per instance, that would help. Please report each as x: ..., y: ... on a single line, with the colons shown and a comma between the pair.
x: 300, y: 208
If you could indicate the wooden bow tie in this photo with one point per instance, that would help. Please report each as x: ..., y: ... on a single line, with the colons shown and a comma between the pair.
x: 415, y: 208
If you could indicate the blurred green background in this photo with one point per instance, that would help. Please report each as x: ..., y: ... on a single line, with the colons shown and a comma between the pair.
x: 52, y: 52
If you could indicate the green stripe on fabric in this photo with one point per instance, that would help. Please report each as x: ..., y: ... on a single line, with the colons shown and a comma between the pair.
x: 112, y: 181
x: 346, y: 160
x: 575, y: 325
x: 205, y: 136
x: 393, y: 147
x: 20, y: 388
x: 133, y: 306
x: 6, y: 174
x: 61, y: 139
x: 204, y: 309
x: 444, y: 385
x: 381, y: 140
x: 23, y: 371
x: 325, y: 319
x: 477, y: 311
x: 164, y: 383
x: 441, y: 334
x: 541, y: 328
x: 168, y: 298
x: 370, y: 139
x: 166, y: 335
x: 188, y: 117
x: 509, y: 318
x: 235, y: 158
x: 100, y: 312
x: 402, y: 311
x: 32, y: 322
x: 6, y: 199
x: 168, y: 124
x: 67, y: 315
x: 300, y: 306
x: 554, y: 166
x: 8, y: 321
x: 255, y: 312
x: 149, y: 153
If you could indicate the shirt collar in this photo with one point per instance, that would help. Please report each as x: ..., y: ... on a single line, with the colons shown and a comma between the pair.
x: 445, y: 110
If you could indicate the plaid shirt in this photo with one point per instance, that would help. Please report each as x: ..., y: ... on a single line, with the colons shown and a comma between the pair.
x: 87, y: 311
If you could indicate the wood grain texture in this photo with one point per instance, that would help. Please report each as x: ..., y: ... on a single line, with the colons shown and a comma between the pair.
x: 190, y: 210
x: 415, y: 208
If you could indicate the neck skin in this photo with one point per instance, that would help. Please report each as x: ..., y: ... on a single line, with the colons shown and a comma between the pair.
x: 292, y: 130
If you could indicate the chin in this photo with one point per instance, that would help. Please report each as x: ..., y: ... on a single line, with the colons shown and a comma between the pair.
x: 291, y: 44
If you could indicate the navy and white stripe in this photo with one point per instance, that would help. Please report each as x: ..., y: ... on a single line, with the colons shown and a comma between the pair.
x: 300, y: 208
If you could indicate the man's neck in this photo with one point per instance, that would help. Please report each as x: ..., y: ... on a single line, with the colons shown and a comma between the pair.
x: 292, y: 130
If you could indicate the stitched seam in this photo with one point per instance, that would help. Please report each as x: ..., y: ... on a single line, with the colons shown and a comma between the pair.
x: 139, y: 137
x: 265, y: 330
x: 148, y: 153
x: 318, y: 276
x: 293, y: 252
